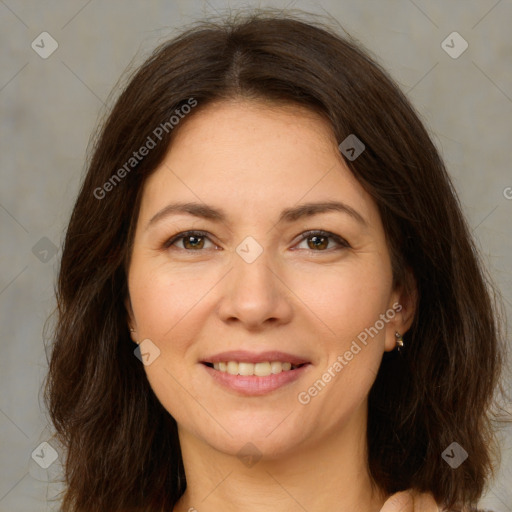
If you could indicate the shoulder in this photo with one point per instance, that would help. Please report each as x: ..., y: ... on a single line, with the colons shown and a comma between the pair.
x: 470, y: 510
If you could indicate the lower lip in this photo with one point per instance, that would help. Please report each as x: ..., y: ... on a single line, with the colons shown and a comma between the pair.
x: 252, y: 385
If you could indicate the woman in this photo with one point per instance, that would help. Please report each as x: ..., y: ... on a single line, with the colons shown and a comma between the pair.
x: 268, y: 295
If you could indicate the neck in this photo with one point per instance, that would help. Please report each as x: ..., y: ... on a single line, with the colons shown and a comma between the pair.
x: 327, y: 474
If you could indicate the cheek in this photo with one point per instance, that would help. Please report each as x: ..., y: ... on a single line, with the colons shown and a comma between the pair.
x: 347, y: 303
x: 345, y: 300
x: 162, y: 299
x: 165, y: 307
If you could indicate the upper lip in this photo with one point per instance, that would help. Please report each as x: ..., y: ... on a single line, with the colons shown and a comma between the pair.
x: 243, y: 356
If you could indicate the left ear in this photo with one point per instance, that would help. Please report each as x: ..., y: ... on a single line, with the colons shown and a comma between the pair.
x: 403, y: 302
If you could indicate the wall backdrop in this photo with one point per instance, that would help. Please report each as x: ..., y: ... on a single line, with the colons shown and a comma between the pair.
x: 59, y: 62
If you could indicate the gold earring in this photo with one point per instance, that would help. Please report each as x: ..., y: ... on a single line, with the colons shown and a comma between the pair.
x: 399, y: 341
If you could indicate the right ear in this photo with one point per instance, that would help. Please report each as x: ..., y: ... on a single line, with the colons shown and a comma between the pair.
x: 131, y: 319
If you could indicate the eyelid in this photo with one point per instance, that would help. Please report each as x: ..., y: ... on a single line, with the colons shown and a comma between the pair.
x: 342, y: 243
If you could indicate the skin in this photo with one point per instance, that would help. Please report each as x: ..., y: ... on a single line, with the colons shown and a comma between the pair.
x: 295, y: 297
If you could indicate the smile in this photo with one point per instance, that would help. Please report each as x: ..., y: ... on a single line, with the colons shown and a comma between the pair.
x: 255, y: 385
x: 263, y: 369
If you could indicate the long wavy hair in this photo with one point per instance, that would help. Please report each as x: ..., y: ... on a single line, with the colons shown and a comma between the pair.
x: 122, y: 446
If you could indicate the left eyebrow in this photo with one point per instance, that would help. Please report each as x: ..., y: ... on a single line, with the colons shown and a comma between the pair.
x: 310, y: 209
x: 288, y: 215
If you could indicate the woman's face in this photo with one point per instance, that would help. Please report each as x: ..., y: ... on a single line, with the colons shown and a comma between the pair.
x: 249, y: 284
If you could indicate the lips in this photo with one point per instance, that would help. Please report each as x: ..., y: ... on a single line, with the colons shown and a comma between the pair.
x: 286, y: 368
x: 243, y: 356
x: 254, y: 385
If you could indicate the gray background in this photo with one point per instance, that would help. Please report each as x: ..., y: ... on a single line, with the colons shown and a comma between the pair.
x: 49, y: 107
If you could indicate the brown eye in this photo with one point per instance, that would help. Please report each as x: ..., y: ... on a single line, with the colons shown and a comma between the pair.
x: 191, y: 241
x: 318, y: 241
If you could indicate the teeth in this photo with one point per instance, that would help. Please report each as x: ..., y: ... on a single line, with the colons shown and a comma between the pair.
x: 232, y: 368
x: 259, y: 369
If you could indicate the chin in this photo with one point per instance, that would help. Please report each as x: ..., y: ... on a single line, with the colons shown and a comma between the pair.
x: 265, y: 439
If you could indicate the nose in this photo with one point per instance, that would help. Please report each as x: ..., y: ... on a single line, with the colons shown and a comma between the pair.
x: 255, y: 295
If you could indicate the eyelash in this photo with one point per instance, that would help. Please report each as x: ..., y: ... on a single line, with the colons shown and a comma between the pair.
x: 343, y: 244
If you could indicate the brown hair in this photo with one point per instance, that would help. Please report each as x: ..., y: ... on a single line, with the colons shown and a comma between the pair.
x: 123, y: 450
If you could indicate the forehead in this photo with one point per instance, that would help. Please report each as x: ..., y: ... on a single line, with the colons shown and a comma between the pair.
x: 247, y: 126
x: 252, y: 154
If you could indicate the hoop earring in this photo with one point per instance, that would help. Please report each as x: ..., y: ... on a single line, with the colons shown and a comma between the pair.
x: 399, y: 341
